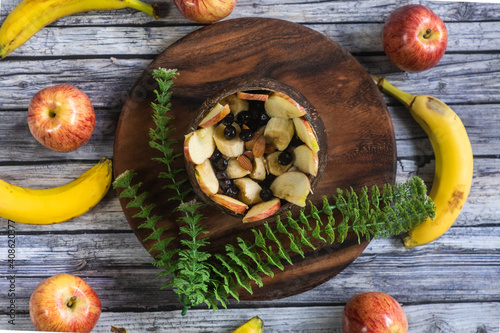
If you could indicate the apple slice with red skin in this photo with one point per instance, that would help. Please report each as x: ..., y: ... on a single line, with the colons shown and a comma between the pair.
x: 306, y: 160
x: 252, y: 96
x: 199, y: 145
x: 249, y: 190
x: 279, y: 132
x: 262, y: 210
x: 373, y: 312
x: 283, y: 106
x: 306, y: 133
x: 64, y: 303
x: 229, y: 148
x: 216, y: 114
x: 206, y: 178
x: 236, y: 104
x: 235, y: 205
x: 292, y: 186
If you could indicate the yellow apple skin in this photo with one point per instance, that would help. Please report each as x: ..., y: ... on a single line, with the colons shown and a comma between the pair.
x: 64, y: 303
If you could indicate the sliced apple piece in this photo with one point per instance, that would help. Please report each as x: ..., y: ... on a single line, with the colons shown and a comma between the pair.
x: 216, y: 114
x: 274, y: 167
x: 283, y: 106
x: 230, y: 203
x: 293, y: 187
x: 252, y: 96
x: 305, y: 132
x: 262, y: 210
x: 229, y: 148
x: 199, y: 145
x: 279, y: 132
x: 259, y: 171
x: 235, y: 104
x: 306, y: 160
x: 249, y: 190
x: 235, y: 170
x: 206, y: 178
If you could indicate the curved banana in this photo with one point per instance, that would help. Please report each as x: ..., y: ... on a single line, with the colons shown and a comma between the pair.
x: 30, y: 16
x: 58, y: 204
x: 454, y: 161
x: 254, y: 325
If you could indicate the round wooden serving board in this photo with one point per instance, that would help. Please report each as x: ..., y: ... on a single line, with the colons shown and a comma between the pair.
x: 361, y: 143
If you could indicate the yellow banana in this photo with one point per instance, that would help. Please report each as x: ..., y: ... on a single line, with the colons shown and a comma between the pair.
x: 254, y: 325
x: 30, y: 16
x: 58, y: 204
x: 454, y: 161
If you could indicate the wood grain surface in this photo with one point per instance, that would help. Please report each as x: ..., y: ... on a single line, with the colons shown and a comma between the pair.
x: 361, y: 143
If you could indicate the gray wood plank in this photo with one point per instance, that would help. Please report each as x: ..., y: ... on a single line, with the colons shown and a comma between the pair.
x: 424, y: 318
x: 481, y: 121
x: 455, y: 268
x: 481, y: 208
x: 329, y: 11
x: 150, y: 41
x: 476, y: 74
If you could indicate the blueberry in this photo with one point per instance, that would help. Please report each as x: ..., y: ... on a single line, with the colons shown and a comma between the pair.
x: 221, y: 175
x: 266, y: 194
x: 262, y: 119
x: 229, y: 119
x: 232, y: 191
x: 246, y: 135
x: 269, y: 179
x: 221, y: 164
x: 244, y: 117
x: 285, y: 158
x: 216, y: 155
x: 225, y: 184
x: 230, y: 132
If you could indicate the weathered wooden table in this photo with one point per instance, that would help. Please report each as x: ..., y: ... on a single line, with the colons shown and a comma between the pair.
x: 450, y: 285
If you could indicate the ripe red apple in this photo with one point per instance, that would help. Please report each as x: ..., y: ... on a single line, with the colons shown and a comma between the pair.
x: 64, y: 303
x: 205, y: 11
x: 61, y: 117
x: 373, y: 312
x: 414, y: 38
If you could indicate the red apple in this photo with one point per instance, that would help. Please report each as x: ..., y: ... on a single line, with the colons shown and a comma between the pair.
x: 61, y: 117
x: 373, y: 312
x: 64, y: 303
x: 205, y: 11
x: 414, y: 38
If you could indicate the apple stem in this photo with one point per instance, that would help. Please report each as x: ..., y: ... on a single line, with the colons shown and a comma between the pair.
x: 427, y: 33
x: 386, y: 87
x: 71, y: 302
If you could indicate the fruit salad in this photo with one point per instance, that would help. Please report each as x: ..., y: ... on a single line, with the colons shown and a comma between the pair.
x: 254, y: 151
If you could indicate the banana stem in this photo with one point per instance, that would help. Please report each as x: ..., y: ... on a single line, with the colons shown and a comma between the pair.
x: 385, y: 86
x: 143, y: 7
